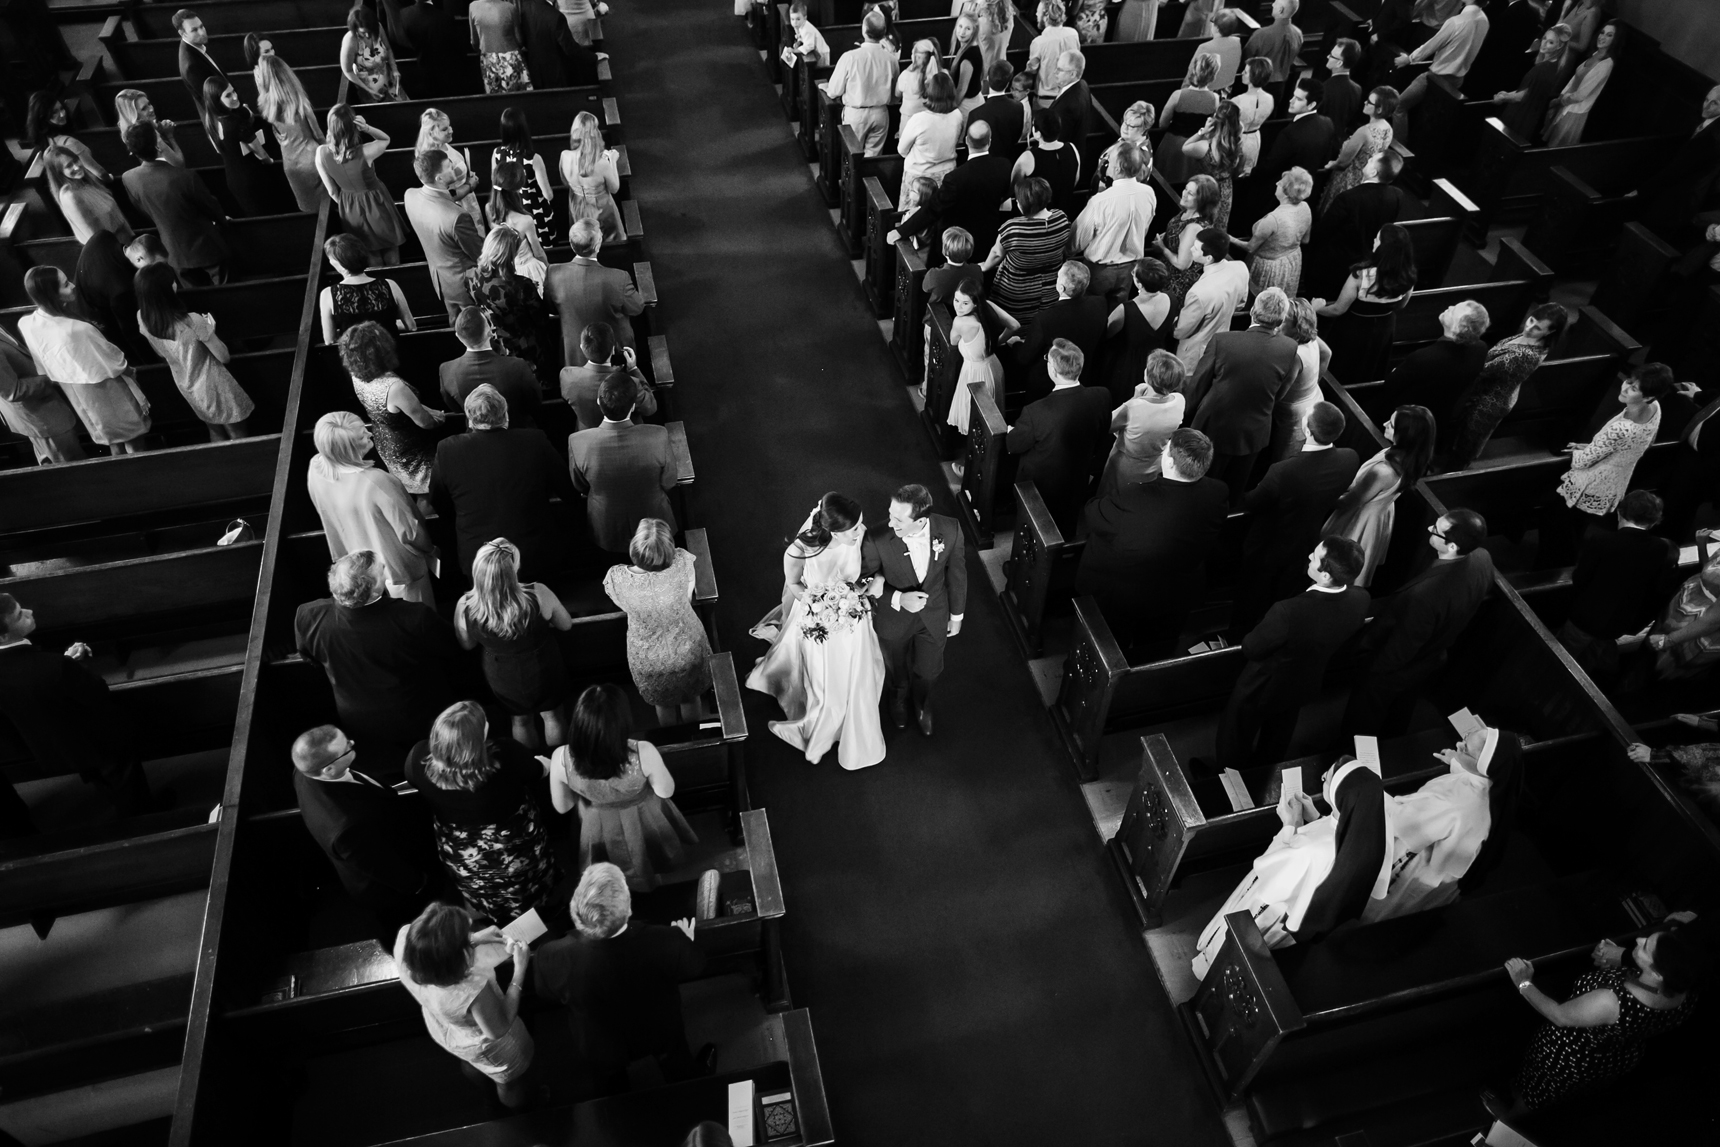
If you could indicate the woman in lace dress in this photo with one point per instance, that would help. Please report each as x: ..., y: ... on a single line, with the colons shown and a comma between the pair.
x: 622, y: 789
x: 1367, y: 510
x: 359, y: 297
x: 1601, y: 468
x: 404, y: 428
x: 1276, y: 245
x: 829, y: 685
x: 1368, y: 140
x: 667, y: 651
x: 1494, y: 393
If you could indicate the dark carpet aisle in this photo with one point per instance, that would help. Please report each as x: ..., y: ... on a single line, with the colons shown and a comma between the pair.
x: 971, y: 966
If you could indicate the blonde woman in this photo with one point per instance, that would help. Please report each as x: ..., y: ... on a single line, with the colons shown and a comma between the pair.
x: 1053, y: 41
x: 282, y: 102
x: 967, y: 62
x: 85, y: 202
x: 364, y: 507
x: 507, y: 207
x: 668, y: 654
x: 132, y: 106
x: 588, y: 169
x: 1276, y: 245
x: 367, y: 210
x: 508, y: 284
x: 911, y: 84
x: 996, y: 23
x: 436, y: 133
x: 514, y: 624
x: 1137, y: 122
x: 1184, y: 114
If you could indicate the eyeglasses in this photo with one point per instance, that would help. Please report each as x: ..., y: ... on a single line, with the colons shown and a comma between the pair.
x: 1436, y: 531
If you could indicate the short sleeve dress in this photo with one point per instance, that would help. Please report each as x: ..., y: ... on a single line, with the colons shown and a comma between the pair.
x: 354, y: 303
x: 448, y: 1016
x: 1026, y: 281
x: 667, y: 652
x: 1278, y: 259
x: 210, y: 389
x: 1563, y: 1059
x: 642, y: 834
x: 408, y: 450
x: 526, y: 673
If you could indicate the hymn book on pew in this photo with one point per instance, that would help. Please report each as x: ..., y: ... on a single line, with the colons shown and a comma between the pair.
x: 741, y: 1113
x: 1236, y: 790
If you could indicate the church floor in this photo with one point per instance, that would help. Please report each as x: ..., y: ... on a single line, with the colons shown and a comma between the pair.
x: 972, y: 966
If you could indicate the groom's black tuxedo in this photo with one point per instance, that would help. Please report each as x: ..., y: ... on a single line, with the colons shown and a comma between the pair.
x: 914, y: 642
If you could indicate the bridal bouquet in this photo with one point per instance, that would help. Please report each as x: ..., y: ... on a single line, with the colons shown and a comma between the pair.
x: 832, y: 609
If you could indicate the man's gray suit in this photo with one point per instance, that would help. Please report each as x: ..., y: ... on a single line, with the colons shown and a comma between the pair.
x: 585, y: 292
x: 450, y: 240
x: 626, y: 473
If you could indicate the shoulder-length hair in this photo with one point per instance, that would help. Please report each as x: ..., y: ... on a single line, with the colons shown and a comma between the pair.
x: 1414, y: 430
x: 501, y: 247
x: 585, y: 140
x: 437, y: 950
x: 343, y: 139
x: 428, y: 120
x: 42, y: 284
x: 459, y: 757
x: 1206, y: 196
x: 281, y: 99
x: 500, y: 604
x: 367, y: 351
x: 128, y: 105
x: 336, y: 438
x: 598, y: 735
x: 1393, y: 263
x: 941, y: 93
x: 159, y: 308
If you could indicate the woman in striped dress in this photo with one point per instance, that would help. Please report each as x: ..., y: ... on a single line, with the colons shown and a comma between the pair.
x: 1028, y: 252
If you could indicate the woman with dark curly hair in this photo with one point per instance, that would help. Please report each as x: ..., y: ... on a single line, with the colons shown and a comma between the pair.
x: 1494, y: 393
x: 403, y: 426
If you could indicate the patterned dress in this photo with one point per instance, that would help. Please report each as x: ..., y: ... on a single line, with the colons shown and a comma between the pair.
x: 374, y: 63
x: 521, y: 320
x: 1177, y: 285
x: 1600, y: 472
x: 1026, y: 281
x: 491, y: 839
x: 1376, y: 138
x: 643, y: 834
x: 367, y: 302
x: 1490, y: 398
x: 408, y: 450
x: 667, y: 652
x: 1563, y: 1059
x: 531, y: 195
x: 1278, y: 259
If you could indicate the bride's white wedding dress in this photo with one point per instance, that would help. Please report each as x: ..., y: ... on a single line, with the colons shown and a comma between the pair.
x: 830, y: 691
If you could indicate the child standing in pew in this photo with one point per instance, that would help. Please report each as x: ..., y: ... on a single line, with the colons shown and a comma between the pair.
x: 193, y: 351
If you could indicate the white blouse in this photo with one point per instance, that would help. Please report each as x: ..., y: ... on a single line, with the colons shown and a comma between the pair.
x: 71, y: 351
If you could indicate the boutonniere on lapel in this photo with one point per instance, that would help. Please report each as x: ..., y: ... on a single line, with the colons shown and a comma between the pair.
x: 937, y: 548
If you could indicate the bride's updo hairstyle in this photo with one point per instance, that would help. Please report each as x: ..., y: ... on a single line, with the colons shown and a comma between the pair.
x: 836, y: 512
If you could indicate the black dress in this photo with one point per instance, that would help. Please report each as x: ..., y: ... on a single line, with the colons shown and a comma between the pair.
x: 976, y: 77
x: 1563, y: 1059
x: 525, y: 673
x: 355, y: 303
x: 1060, y: 168
x: 1361, y: 339
x: 251, y: 182
x: 1125, y: 356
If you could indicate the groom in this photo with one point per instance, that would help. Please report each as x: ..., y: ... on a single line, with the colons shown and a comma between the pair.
x: 921, y: 587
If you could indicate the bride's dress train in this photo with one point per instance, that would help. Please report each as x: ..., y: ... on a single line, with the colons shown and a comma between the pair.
x: 829, y: 691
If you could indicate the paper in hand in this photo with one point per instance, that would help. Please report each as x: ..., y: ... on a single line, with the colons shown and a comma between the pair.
x: 1465, y: 722
x: 1368, y: 751
x: 789, y: 58
x: 526, y: 928
x: 1291, y: 779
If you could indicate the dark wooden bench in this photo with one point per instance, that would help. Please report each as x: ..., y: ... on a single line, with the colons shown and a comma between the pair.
x: 857, y: 168
x: 1512, y: 496
x: 883, y: 192
x: 476, y: 117
x: 1510, y: 178
x: 146, y: 57
x: 1635, y: 279
x: 1115, y: 63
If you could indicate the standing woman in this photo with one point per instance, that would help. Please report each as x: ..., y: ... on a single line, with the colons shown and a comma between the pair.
x: 967, y: 62
x: 1289, y: 417
x: 518, y: 147
x: 927, y: 142
x: 1051, y: 158
x: 436, y: 133
x: 667, y: 651
x: 1028, y: 252
x: 282, y: 102
x: 1139, y: 20
x: 132, y: 106
x: 911, y: 84
x: 358, y: 297
x: 489, y: 832
x: 93, y: 372
x: 995, y: 25
x: 1185, y: 113
x: 244, y: 157
x: 84, y: 200
x: 588, y: 169
x: 1276, y: 246
x: 512, y: 300
x: 1091, y: 20
x: 1349, y: 168
x: 1052, y: 42
x: 622, y: 789
x: 496, y: 36
x: 1197, y: 18
x: 367, y: 61
x: 1218, y: 146
x: 47, y: 128
x: 1568, y: 114
x: 515, y: 625
x: 466, y: 1013
x: 507, y: 208
x: 367, y: 208
x: 1179, y: 246
x: 364, y: 508
x: 1366, y: 310
x: 193, y: 352
x: 404, y: 428
x: 1601, y: 468
x: 256, y: 47
x: 1136, y: 328
x: 580, y: 16
x: 1366, y: 511
x: 1137, y: 122
x: 1256, y: 106
x: 1494, y: 392
x: 1582, y: 17
x: 976, y: 332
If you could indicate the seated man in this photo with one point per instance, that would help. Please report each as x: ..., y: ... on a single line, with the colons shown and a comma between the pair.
x: 1147, y: 543
x: 378, y: 841
x: 620, y: 980
x: 1076, y: 316
x: 393, y: 664
x: 1620, y: 580
x: 625, y: 471
x: 513, y: 377
x: 1435, y: 375
x: 604, y: 358
x: 64, y: 715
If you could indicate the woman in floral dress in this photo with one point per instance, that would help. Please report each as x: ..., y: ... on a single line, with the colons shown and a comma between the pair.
x: 368, y: 61
x: 667, y: 651
x: 511, y: 300
x: 1279, y: 234
x: 1366, y: 142
x: 1492, y: 395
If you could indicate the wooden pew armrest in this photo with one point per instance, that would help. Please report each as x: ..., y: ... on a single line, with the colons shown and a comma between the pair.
x: 1512, y: 139
x: 761, y: 862
x: 678, y: 450
x: 646, y: 283
x: 704, y: 573
x: 1606, y: 336
x: 604, y: 75
x: 630, y: 219
x: 877, y: 197
x: 1566, y: 178
x: 1449, y: 199
x: 623, y: 165
x: 1243, y: 1008
x: 611, y: 113
x: 661, y: 368
x: 727, y: 688
x: 811, y: 1108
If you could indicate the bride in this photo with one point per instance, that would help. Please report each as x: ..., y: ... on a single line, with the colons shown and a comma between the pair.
x: 824, y: 666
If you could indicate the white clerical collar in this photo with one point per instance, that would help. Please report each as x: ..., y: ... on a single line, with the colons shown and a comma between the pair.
x: 1328, y: 588
x: 1310, y: 446
x: 1064, y: 384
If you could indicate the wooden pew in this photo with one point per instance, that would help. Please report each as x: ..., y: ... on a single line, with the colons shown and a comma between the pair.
x: 155, y: 22
x: 1115, y: 63
x: 1510, y: 177
x: 1635, y: 277
x: 1436, y: 235
x: 908, y: 310
x: 172, y: 99
x: 143, y: 858
x: 987, y: 468
x: 151, y: 57
x: 857, y: 168
x: 882, y: 194
x: 1578, y: 225
x: 476, y: 116
x: 1512, y: 496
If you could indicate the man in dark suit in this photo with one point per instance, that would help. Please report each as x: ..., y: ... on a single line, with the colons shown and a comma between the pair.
x: 1073, y: 105
x: 1001, y: 112
x: 1345, y: 233
x: 580, y: 385
x: 1405, y: 646
x: 1678, y: 191
x: 1508, y: 49
x: 1285, y: 514
x: 918, y: 567
x: 1287, y: 656
x: 1307, y: 141
x: 378, y: 841
x: 182, y: 208
x: 1621, y: 581
x: 1341, y: 100
x: 63, y: 713
x: 1147, y: 544
x: 1076, y: 317
x: 970, y: 197
x: 195, y: 63
x: 391, y: 663
x: 105, y: 278
x: 443, y: 46
x: 584, y: 291
x: 1062, y: 437
x: 553, y: 57
x: 1437, y: 374
x: 1240, y: 380
x: 625, y: 470
x: 620, y: 980
x: 495, y: 482
x: 1696, y: 466
x: 479, y: 366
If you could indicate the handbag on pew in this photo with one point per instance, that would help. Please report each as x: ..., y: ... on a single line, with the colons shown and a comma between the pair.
x: 238, y: 530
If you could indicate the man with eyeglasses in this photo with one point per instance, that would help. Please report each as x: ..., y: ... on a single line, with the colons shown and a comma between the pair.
x: 1341, y: 101
x: 1412, y: 630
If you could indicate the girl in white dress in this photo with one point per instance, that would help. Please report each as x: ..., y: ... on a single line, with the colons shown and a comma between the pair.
x: 975, y: 333
x: 825, y: 666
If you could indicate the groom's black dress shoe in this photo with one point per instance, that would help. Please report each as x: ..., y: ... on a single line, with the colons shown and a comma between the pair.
x: 899, y: 709
x: 926, y: 719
